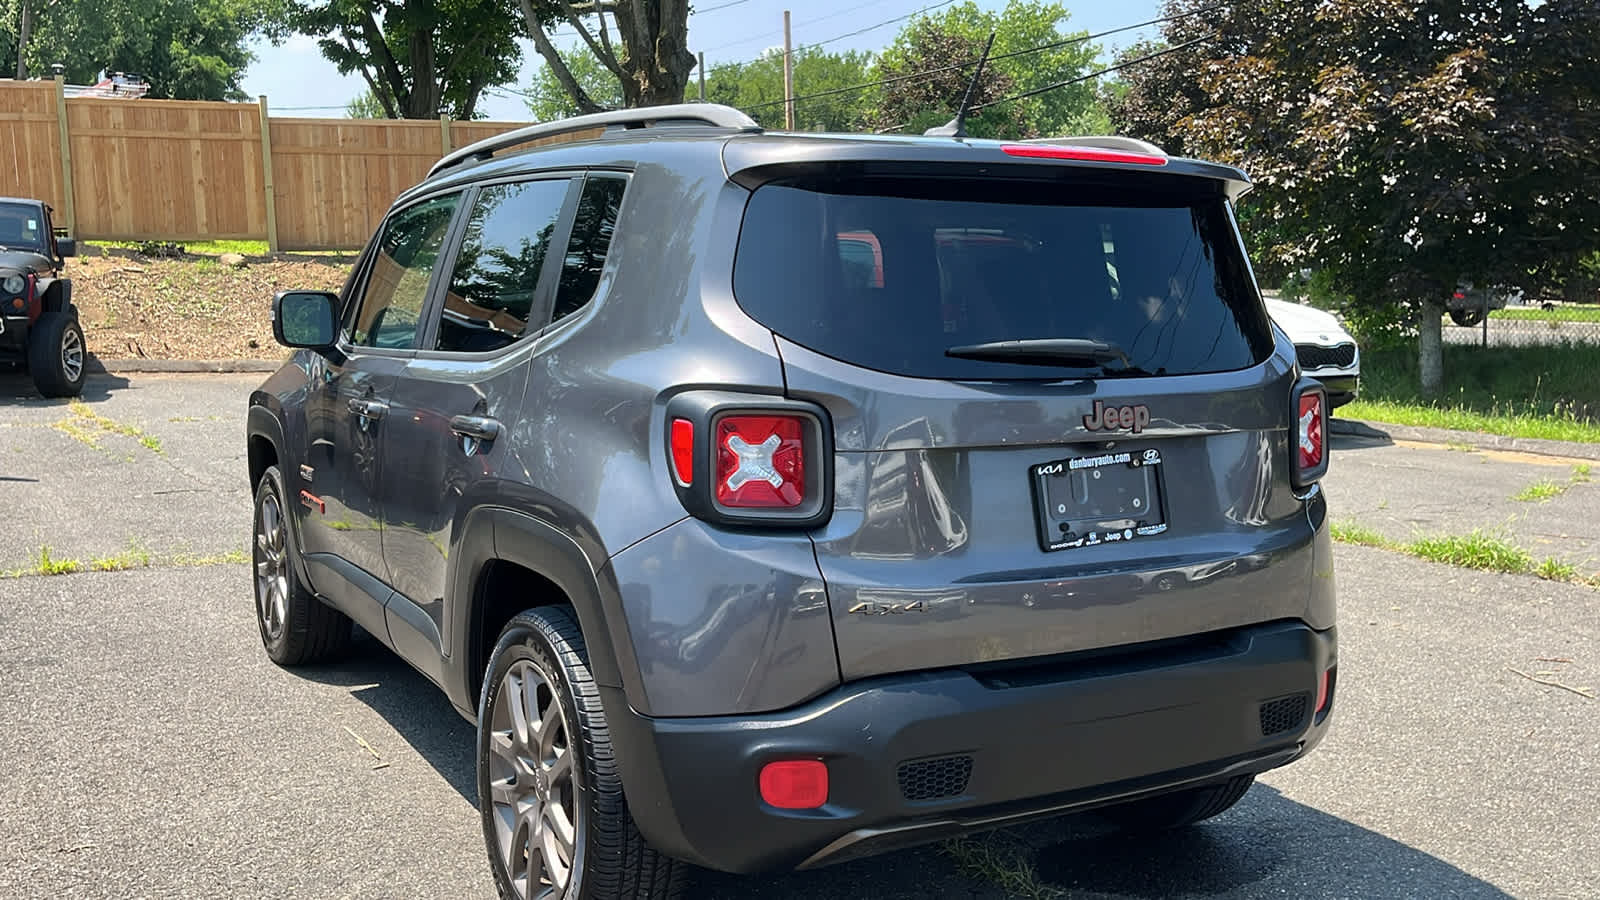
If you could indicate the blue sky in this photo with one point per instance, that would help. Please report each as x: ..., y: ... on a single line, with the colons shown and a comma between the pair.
x: 297, y: 80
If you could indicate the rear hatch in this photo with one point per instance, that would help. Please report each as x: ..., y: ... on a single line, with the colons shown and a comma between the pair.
x: 1126, y: 479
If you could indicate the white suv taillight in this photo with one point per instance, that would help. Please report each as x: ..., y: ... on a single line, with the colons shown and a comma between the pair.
x: 1310, y: 434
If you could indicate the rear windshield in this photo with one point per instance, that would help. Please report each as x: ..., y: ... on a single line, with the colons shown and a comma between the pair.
x: 888, y: 274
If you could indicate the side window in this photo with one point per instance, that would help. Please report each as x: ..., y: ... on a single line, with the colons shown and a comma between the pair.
x: 496, y: 273
x: 397, y: 280
x: 591, y: 240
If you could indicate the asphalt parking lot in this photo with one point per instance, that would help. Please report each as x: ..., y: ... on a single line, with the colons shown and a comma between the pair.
x: 153, y: 751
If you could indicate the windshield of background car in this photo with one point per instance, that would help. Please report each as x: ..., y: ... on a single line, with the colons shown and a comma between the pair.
x: 21, y: 226
x: 889, y: 273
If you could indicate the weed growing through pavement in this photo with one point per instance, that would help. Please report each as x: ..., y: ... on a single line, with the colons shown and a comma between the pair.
x: 1540, y: 491
x: 986, y: 859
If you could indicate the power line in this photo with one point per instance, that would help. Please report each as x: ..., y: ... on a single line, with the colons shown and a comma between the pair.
x: 858, y: 7
x: 877, y: 26
x: 1096, y: 74
x: 972, y: 59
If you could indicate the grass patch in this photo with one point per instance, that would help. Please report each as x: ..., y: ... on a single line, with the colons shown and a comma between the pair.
x: 1559, y: 314
x: 135, y: 557
x: 86, y: 426
x: 1580, y: 473
x: 1475, y: 550
x: 1545, y: 392
x: 986, y: 858
x: 45, y: 564
x: 231, y: 557
x: 1540, y: 491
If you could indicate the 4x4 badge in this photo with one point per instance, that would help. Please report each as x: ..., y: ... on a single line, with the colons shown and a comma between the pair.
x: 1115, y: 418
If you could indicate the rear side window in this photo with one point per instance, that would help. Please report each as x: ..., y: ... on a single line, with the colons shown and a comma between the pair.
x: 397, y: 281
x: 496, y: 275
x: 888, y: 274
x: 592, y: 228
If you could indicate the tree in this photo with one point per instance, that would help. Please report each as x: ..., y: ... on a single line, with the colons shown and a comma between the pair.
x: 1403, y: 147
x: 185, y: 49
x: 420, y: 58
x: 927, y: 69
x: 757, y: 88
x: 1022, y: 26
x: 365, y: 106
x: 652, y: 62
x: 548, y: 100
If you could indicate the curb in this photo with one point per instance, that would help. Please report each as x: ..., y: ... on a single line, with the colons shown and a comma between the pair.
x: 1475, y: 439
x: 98, y: 366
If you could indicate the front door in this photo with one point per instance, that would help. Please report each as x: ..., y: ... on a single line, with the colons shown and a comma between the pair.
x: 348, y: 416
x: 455, y: 402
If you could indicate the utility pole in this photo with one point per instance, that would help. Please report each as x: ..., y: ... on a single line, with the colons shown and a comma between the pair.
x: 788, y: 76
x: 702, y: 76
x: 22, y: 40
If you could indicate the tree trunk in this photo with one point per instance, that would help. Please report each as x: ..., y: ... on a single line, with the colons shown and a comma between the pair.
x: 22, y: 40
x: 1430, y: 348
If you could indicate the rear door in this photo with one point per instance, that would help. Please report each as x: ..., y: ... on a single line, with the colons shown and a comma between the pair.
x: 450, y: 444
x: 989, y: 507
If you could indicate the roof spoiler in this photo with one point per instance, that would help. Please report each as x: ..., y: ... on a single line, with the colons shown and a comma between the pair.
x: 714, y: 115
x: 1103, y: 141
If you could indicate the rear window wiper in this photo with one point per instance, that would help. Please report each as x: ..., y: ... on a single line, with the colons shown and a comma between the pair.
x: 1078, y: 352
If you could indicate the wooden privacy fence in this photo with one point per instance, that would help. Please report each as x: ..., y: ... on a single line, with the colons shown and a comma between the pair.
x: 186, y: 170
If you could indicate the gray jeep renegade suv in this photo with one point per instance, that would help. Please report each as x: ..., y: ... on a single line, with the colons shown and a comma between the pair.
x: 770, y: 500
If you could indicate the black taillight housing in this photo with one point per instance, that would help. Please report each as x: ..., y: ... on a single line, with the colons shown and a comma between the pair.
x: 750, y: 460
x: 1308, y: 433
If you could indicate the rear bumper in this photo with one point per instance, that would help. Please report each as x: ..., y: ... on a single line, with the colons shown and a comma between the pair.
x: 1341, y: 388
x: 979, y: 748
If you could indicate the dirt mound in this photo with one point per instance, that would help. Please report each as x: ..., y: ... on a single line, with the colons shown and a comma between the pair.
x: 191, y: 307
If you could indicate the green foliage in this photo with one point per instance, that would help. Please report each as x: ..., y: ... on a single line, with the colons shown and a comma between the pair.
x: 1555, y: 382
x: 548, y: 100
x: 1023, y: 25
x: 365, y: 105
x: 642, y: 43
x: 1540, y: 491
x: 933, y: 64
x: 422, y: 58
x: 185, y: 49
x: 757, y: 88
x: 1475, y: 550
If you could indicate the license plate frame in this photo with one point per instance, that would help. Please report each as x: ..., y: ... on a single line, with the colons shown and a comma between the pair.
x: 1099, y: 498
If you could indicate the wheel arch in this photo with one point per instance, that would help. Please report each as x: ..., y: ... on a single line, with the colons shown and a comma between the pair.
x: 508, y: 561
x: 56, y: 293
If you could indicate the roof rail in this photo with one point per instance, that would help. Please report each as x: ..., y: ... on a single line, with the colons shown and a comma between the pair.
x: 1103, y: 141
x: 714, y: 114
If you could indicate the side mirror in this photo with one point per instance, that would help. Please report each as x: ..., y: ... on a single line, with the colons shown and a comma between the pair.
x: 66, y: 247
x: 305, y: 319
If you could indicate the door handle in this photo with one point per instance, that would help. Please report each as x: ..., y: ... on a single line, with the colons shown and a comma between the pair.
x: 481, y: 428
x: 368, y: 409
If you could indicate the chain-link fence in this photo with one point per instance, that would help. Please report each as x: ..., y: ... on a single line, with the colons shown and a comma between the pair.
x: 1486, y: 320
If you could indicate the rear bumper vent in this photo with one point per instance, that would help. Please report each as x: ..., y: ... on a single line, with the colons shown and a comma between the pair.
x: 1284, y: 714
x: 934, y: 779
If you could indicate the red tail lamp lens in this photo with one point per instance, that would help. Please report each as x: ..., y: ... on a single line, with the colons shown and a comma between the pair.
x: 761, y: 461
x: 683, y: 451
x: 1312, y: 431
x: 1087, y: 154
x: 795, y: 784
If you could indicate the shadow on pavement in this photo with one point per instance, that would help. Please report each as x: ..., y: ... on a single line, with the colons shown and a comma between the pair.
x: 16, y: 388
x: 1268, y: 846
x: 411, y: 704
x: 1348, y: 434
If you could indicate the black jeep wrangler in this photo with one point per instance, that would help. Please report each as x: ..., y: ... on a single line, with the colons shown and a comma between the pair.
x: 38, y: 323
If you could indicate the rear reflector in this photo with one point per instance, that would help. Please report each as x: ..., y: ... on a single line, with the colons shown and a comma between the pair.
x: 683, y: 451
x: 761, y: 461
x: 1088, y: 154
x: 1322, y: 691
x: 795, y: 784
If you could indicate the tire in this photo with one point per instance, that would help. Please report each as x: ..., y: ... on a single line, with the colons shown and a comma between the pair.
x: 564, y: 774
x: 57, y: 356
x: 296, y: 628
x: 1178, y: 809
x: 1466, y: 318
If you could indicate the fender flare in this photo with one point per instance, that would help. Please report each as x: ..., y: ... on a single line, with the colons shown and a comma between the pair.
x: 493, y: 533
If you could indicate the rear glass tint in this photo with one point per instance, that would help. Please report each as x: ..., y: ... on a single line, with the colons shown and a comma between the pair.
x: 888, y: 274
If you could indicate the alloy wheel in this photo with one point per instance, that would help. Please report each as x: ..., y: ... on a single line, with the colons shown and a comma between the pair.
x: 71, y: 354
x: 272, y: 575
x: 533, y: 786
